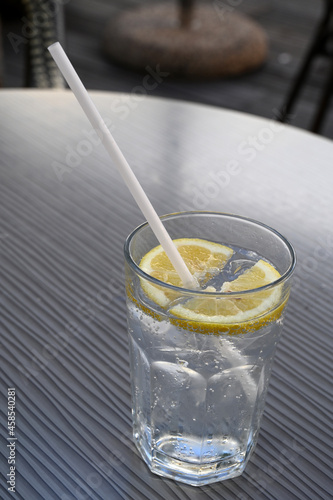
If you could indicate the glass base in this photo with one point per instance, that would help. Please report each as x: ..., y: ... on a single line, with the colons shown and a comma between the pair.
x: 191, y: 471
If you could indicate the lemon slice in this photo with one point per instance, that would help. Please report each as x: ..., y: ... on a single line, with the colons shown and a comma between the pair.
x: 203, y: 258
x: 237, y: 313
x: 262, y: 273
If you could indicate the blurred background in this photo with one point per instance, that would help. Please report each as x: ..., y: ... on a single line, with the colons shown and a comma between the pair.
x: 83, y: 26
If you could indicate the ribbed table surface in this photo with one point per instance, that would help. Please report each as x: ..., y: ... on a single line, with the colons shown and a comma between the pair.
x: 64, y: 216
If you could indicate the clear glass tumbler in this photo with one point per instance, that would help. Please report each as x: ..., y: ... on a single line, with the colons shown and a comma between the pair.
x: 198, y: 391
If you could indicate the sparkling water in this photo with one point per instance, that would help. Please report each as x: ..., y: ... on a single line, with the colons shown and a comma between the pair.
x: 197, y: 397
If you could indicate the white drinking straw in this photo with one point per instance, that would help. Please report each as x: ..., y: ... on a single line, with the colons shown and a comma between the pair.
x: 119, y: 160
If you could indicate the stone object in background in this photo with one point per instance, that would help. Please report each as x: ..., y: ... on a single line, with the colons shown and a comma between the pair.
x: 212, y: 42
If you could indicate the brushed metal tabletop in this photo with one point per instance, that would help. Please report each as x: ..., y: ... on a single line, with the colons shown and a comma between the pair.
x: 64, y: 216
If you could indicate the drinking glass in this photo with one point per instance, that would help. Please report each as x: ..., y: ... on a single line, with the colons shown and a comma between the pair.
x: 198, y: 389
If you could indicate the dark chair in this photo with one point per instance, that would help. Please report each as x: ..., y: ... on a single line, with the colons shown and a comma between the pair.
x: 47, y: 26
x: 321, y: 45
x: 40, y: 23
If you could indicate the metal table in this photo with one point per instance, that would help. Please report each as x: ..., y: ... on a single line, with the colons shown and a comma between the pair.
x: 65, y: 214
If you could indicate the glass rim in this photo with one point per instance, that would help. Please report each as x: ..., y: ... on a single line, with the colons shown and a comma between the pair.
x: 284, y: 277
